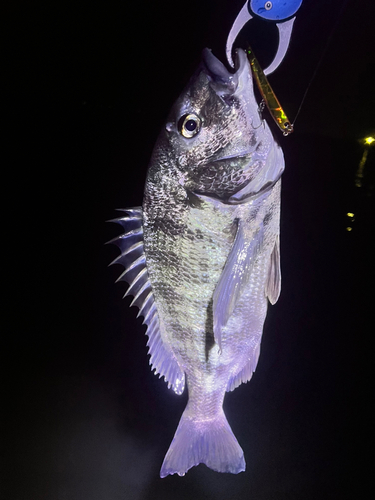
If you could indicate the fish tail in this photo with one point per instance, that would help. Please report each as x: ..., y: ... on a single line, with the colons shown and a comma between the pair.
x: 210, y: 442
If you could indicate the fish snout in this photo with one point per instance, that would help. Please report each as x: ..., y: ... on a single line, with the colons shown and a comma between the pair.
x: 223, y: 80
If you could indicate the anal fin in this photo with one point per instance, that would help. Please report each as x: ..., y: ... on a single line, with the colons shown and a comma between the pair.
x: 245, y: 374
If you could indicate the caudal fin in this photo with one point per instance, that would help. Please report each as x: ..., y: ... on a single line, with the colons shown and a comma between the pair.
x: 210, y: 442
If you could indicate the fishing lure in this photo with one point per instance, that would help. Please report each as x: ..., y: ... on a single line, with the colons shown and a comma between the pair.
x: 277, y: 10
x: 269, y: 96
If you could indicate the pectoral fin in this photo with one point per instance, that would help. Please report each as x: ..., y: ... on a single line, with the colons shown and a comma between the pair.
x: 273, y: 285
x: 235, y: 277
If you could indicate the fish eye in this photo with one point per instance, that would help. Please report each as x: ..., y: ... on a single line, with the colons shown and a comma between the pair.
x: 268, y: 5
x: 189, y: 125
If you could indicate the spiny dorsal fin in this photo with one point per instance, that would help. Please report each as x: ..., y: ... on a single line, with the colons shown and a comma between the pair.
x: 133, y: 259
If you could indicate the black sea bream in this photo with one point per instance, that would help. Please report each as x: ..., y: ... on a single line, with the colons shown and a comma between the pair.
x: 202, y: 254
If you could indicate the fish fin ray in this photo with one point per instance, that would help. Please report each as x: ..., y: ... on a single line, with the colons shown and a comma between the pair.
x: 164, y: 363
x: 124, y: 257
x: 133, y: 269
x: 273, y: 285
x: 133, y: 259
x: 235, y: 277
x: 245, y: 374
x: 140, y: 279
x: 210, y: 442
x: 138, y: 299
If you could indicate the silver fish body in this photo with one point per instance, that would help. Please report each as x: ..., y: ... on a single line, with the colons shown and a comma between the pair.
x: 202, y: 255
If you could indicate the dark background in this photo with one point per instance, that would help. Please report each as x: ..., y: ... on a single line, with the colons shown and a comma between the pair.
x: 89, y: 86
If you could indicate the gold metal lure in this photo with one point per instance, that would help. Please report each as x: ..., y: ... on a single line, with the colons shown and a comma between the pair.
x: 268, y: 95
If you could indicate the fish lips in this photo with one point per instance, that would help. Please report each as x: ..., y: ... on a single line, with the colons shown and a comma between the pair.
x: 222, y: 80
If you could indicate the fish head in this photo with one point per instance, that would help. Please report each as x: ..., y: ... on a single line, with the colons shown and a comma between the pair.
x: 215, y: 137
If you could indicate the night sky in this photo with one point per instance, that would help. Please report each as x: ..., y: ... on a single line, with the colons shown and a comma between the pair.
x: 90, y: 85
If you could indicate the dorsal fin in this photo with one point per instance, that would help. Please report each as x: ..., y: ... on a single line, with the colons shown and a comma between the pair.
x: 133, y: 259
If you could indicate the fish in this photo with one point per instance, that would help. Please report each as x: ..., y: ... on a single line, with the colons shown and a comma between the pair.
x: 202, y: 254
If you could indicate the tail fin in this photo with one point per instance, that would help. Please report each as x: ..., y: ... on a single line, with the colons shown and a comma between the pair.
x: 210, y: 442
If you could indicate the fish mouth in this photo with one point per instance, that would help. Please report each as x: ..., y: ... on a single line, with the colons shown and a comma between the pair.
x: 240, y: 155
x: 224, y: 80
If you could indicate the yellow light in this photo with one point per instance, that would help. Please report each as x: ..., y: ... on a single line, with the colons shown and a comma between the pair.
x: 369, y: 140
x: 348, y: 228
x: 349, y: 214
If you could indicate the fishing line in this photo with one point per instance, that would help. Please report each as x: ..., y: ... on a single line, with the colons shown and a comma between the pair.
x: 321, y: 59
